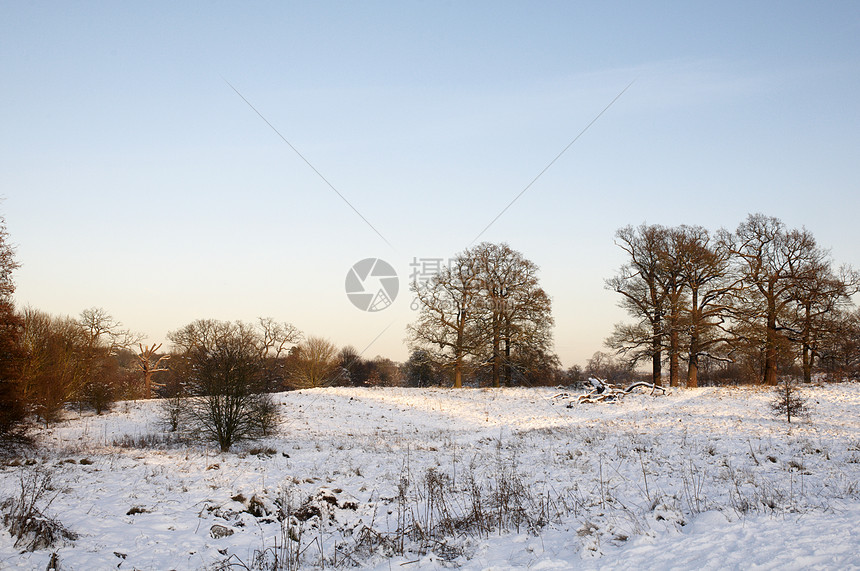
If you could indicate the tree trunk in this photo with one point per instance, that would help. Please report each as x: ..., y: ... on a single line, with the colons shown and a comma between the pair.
x: 674, y: 369
x: 508, y: 372
x: 770, y: 353
x: 657, y: 369
x: 693, y: 372
x: 497, y: 354
x: 807, y: 353
x: 657, y: 356
x: 693, y: 364
x: 693, y: 361
x: 458, y: 350
x: 807, y: 364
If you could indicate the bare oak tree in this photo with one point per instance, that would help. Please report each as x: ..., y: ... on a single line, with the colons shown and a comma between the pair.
x: 515, y: 311
x: 758, y: 299
x: 772, y: 261
x: 104, y: 338
x: 640, y: 281
x: 706, y: 272
x: 820, y: 296
x: 672, y: 257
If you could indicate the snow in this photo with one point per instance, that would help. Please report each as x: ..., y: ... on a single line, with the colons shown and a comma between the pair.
x: 699, y: 478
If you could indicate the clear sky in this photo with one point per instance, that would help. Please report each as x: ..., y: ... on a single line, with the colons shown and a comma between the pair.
x: 137, y: 180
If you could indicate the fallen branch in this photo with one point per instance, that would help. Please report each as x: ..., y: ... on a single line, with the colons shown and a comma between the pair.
x: 605, y: 392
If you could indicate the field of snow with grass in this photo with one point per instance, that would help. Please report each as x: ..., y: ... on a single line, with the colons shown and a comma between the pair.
x: 472, y: 479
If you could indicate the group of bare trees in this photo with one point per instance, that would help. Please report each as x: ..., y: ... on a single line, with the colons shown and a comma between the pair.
x: 763, y: 299
x: 356, y: 371
x: 48, y: 362
x: 485, y: 314
x: 217, y: 374
x: 221, y: 371
x: 85, y: 360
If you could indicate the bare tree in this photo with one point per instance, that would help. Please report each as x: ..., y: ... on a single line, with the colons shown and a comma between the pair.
x: 640, y: 281
x: 199, y: 333
x: 820, y: 296
x: 609, y: 368
x: 315, y: 363
x: 772, y: 261
x: 673, y: 257
x: 276, y: 337
x: 445, y: 316
x: 384, y: 373
x: 149, y: 363
x: 757, y: 298
x: 224, y: 368
x: 104, y: 338
x: 275, y: 340
x: 103, y: 331
x: 706, y: 272
x: 839, y: 345
x: 485, y: 308
x: 515, y: 311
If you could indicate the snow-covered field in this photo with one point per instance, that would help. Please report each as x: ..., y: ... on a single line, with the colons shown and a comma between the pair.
x: 476, y: 479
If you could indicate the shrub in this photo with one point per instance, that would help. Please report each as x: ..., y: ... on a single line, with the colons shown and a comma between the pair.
x: 224, y: 370
x: 27, y: 522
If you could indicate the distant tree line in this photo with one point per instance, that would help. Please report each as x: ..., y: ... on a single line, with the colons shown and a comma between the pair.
x: 749, y: 305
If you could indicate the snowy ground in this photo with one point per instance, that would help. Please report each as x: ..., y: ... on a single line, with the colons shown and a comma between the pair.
x: 475, y: 479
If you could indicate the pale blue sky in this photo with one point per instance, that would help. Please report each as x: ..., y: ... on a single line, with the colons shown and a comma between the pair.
x: 135, y: 179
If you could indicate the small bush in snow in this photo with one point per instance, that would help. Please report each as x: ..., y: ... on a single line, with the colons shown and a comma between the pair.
x: 788, y: 401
